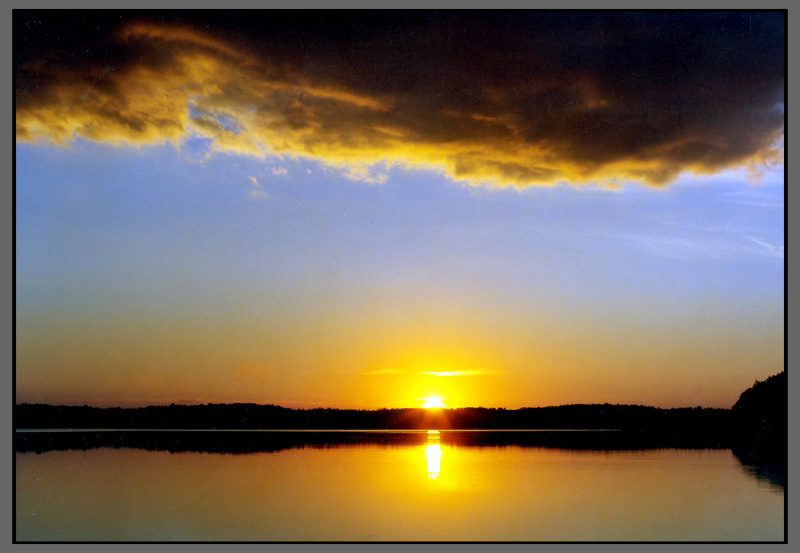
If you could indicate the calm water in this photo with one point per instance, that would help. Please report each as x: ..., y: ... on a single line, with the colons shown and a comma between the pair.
x: 395, y: 487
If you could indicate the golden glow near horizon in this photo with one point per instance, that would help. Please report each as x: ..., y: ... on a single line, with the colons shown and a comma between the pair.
x: 433, y: 402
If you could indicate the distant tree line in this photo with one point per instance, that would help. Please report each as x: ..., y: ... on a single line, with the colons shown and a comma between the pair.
x: 254, y: 416
x: 755, y: 426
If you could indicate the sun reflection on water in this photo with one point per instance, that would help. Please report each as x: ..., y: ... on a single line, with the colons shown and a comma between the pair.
x: 433, y: 453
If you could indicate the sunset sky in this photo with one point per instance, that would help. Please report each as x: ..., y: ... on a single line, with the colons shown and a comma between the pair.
x: 364, y: 209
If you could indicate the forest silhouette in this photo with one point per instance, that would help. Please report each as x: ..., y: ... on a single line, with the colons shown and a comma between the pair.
x: 755, y: 428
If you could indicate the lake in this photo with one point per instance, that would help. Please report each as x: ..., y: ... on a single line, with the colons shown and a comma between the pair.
x: 384, y: 486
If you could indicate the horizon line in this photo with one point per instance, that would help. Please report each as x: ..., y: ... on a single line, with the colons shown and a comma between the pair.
x: 172, y: 404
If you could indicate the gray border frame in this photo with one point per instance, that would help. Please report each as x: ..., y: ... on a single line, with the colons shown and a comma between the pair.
x: 792, y: 207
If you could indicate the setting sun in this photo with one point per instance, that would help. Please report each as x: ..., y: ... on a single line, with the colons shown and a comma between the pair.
x: 433, y: 402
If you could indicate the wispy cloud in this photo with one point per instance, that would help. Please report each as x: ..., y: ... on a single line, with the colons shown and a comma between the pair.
x: 383, y: 371
x: 257, y: 190
x: 768, y: 197
x: 463, y: 373
x: 366, y: 174
x: 768, y: 248
x: 685, y: 248
x: 280, y: 171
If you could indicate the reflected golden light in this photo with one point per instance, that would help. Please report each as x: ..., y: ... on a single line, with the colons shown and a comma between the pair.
x: 433, y: 454
x: 433, y: 402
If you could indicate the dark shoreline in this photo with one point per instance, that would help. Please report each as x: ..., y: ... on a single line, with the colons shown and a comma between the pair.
x: 236, y: 416
x: 755, y: 428
x: 255, y: 441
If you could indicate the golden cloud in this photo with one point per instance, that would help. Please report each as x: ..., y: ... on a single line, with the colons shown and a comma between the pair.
x: 463, y: 373
x: 487, y: 104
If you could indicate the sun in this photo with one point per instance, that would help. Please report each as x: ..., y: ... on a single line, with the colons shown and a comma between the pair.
x: 433, y: 402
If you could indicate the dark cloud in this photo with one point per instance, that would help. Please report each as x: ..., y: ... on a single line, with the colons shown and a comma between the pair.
x: 507, y: 97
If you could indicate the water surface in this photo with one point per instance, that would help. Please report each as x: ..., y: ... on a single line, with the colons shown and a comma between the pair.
x: 401, y: 486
